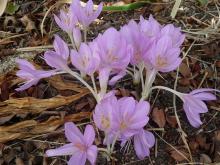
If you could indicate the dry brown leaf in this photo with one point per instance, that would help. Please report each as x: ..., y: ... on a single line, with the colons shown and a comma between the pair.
x: 217, y: 146
x: 31, y: 128
x: 159, y: 117
x: 171, y: 120
x: 58, y: 83
x: 34, y: 105
x: 185, y: 70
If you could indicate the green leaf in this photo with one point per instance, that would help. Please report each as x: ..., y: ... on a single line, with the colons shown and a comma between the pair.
x: 203, y: 2
x: 11, y: 8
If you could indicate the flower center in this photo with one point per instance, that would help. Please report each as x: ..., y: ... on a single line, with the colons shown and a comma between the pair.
x: 81, y: 147
x: 105, y: 122
x: 161, y: 62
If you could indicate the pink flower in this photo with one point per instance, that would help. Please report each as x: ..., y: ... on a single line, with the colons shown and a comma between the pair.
x: 130, y: 116
x: 163, y: 56
x: 140, y: 44
x: 113, y: 57
x: 80, y: 148
x: 58, y: 58
x: 28, y: 72
x: 143, y: 141
x: 194, y: 104
x: 175, y: 33
x: 150, y: 28
x: 85, y: 15
x: 86, y: 60
x: 66, y: 20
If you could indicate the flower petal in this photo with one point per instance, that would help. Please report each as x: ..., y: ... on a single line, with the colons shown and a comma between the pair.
x: 67, y: 149
x: 92, y: 154
x: 89, y: 135
x: 78, y: 158
x: 73, y: 133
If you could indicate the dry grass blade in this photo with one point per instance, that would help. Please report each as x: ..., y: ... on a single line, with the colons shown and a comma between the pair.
x: 3, y: 4
x: 175, y: 8
x: 31, y: 128
x: 34, y: 105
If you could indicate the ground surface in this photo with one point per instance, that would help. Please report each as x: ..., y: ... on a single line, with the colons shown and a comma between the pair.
x: 31, y: 121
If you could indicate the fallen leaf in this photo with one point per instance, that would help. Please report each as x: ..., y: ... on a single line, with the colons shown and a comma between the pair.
x: 159, y: 117
x: 31, y: 128
x: 171, y: 120
x: 217, y: 146
x: 185, y: 70
x: 19, y: 161
x: 33, y: 105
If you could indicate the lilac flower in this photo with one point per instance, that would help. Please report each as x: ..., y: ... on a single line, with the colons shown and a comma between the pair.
x: 163, y: 56
x: 58, y: 58
x: 140, y: 44
x: 130, y: 117
x: 143, y: 141
x: 66, y: 21
x: 103, y: 115
x: 194, y: 104
x: 80, y: 148
x: 86, y: 60
x: 175, y: 34
x: 28, y: 72
x: 150, y: 28
x: 77, y: 37
x: 113, y: 57
x: 85, y: 15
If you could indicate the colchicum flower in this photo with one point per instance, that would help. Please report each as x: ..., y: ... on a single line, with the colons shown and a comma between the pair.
x: 58, y: 58
x: 66, y: 21
x: 81, y: 146
x: 162, y: 56
x: 193, y: 104
x: 140, y: 44
x: 143, y: 141
x: 113, y: 57
x: 86, y: 60
x: 85, y: 15
x: 175, y: 33
x: 28, y: 72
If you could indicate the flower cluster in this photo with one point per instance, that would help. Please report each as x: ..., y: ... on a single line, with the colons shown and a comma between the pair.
x: 140, y: 49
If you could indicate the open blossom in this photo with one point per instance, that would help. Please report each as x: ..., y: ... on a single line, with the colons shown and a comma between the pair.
x: 129, y: 117
x: 81, y: 146
x: 175, y: 34
x: 194, y: 104
x: 66, y: 20
x: 87, y: 14
x: 143, y: 141
x: 114, y: 53
x: 58, y: 58
x: 140, y: 44
x: 29, y: 73
x: 163, y: 56
x: 150, y: 28
x: 86, y: 60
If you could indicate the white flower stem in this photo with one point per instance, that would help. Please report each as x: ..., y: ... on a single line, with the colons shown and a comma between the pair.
x: 94, y: 84
x: 142, y: 77
x: 74, y: 74
x: 72, y: 41
x: 149, y: 79
x: 180, y: 95
x: 114, y: 141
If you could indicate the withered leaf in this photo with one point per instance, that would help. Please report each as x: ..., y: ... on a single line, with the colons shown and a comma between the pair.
x: 31, y: 128
x: 179, y: 156
x: 171, y: 120
x: 185, y: 70
x: 159, y: 117
x: 33, y: 105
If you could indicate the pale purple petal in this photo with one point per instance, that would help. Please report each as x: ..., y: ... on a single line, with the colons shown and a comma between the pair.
x: 73, y: 133
x: 114, y: 79
x: 89, y: 135
x: 78, y: 158
x: 92, y: 154
x: 27, y: 85
x: 61, y: 47
x: 67, y: 149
